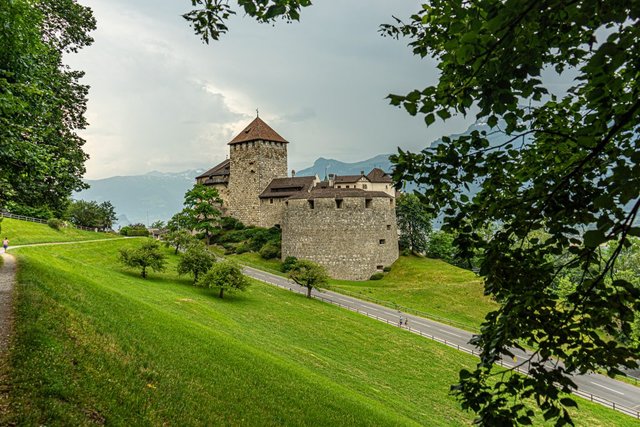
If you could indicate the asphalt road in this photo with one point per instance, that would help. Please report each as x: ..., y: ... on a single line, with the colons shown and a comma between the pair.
x: 598, y: 388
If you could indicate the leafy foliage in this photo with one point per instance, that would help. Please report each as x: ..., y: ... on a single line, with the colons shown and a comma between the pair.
x: 42, y: 103
x: 201, y: 212
x: 569, y: 167
x: 288, y: 263
x: 309, y: 274
x: 197, y: 259
x: 179, y: 238
x: 91, y: 214
x: 135, y: 230
x: 224, y: 275
x: 414, y: 223
x: 148, y: 255
x: 208, y: 20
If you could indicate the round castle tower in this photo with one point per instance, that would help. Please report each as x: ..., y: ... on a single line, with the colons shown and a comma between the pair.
x: 257, y: 156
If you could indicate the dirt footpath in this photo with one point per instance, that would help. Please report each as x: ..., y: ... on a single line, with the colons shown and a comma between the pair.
x: 7, y: 281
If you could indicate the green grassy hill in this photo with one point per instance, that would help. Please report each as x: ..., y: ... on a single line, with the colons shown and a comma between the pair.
x: 431, y: 286
x: 97, y: 344
x: 23, y: 232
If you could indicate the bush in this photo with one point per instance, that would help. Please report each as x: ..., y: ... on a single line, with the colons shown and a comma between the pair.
x: 270, y: 250
x: 242, y: 248
x: 376, y: 276
x: 387, y: 269
x: 55, y: 223
x: 134, y: 230
x: 288, y: 263
x: 229, y: 223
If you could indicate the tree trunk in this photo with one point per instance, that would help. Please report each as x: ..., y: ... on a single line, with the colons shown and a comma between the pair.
x: 309, y: 291
x: 144, y: 272
x: 176, y: 252
x: 221, y: 292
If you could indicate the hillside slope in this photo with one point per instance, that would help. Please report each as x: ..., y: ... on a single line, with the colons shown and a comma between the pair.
x: 97, y: 344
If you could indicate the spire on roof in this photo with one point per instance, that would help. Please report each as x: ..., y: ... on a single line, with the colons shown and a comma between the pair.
x: 258, y: 130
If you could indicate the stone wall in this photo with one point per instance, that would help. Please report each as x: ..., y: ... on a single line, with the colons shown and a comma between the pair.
x: 352, y: 242
x: 253, y: 165
x: 271, y: 211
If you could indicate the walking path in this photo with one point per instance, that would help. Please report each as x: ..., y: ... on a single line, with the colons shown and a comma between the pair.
x: 7, y: 279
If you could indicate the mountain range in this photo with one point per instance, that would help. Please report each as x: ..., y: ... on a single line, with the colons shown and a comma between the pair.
x: 158, y: 195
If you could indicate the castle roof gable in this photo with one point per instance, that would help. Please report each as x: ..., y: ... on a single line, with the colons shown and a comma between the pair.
x: 378, y: 175
x: 219, y: 174
x: 285, y: 187
x: 257, y: 130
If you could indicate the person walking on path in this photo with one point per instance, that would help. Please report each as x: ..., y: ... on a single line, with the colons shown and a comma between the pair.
x: 5, y: 244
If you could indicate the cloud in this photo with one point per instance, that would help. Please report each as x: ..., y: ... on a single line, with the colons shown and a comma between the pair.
x: 161, y: 100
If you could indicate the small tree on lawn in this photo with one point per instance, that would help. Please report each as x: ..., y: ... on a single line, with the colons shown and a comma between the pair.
x: 179, y: 238
x: 196, y: 260
x: 224, y: 275
x: 148, y: 255
x: 309, y: 274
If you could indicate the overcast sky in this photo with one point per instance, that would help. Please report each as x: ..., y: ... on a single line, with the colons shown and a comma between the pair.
x: 162, y: 100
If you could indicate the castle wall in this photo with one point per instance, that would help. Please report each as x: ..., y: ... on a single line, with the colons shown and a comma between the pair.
x: 271, y: 212
x: 253, y: 165
x: 351, y: 242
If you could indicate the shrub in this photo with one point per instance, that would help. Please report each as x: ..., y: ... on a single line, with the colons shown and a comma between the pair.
x: 387, y: 269
x: 288, y: 263
x: 376, y: 276
x: 229, y: 223
x: 134, y: 230
x: 55, y: 223
x: 270, y: 250
x: 242, y: 248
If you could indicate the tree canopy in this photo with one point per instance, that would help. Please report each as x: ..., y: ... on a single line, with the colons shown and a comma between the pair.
x: 147, y: 255
x: 201, y: 211
x: 308, y: 274
x: 569, y: 167
x: 42, y: 103
x: 414, y: 223
x: 91, y: 214
x: 224, y: 275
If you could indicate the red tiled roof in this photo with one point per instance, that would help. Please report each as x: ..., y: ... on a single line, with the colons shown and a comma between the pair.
x: 258, y: 130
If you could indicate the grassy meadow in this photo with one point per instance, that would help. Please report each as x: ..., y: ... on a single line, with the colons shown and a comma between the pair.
x: 96, y: 344
x: 431, y: 287
x: 23, y: 232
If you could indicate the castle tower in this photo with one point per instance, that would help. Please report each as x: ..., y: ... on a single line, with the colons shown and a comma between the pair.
x: 257, y: 156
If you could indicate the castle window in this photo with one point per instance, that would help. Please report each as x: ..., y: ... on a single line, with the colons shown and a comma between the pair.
x: 271, y: 201
x: 286, y: 203
x: 339, y: 203
x: 367, y: 203
x: 388, y: 226
x: 339, y: 186
x: 391, y: 202
x: 347, y: 186
x: 311, y: 205
x: 364, y: 186
x: 382, y: 241
x: 380, y: 267
x: 386, y: 187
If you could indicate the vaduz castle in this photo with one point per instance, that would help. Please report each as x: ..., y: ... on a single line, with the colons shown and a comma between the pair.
x: 345, y: 223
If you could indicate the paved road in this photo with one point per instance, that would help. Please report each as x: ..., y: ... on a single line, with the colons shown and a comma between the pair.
x: 596, y: 387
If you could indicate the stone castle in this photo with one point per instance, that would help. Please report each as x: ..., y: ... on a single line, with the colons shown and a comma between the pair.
x: 345, y: 223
